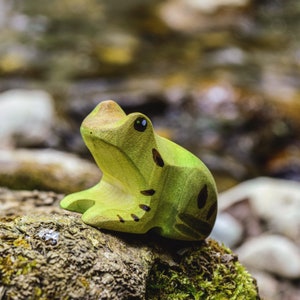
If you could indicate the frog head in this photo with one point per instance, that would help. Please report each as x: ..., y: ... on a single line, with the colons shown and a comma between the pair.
x: 118, y: 143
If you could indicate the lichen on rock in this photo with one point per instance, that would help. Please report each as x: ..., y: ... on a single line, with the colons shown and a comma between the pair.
x: 54, y: 255
x: 80, y: 263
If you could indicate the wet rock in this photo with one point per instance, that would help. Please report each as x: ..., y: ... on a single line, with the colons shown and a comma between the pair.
x: 272, y: 253
x: 26, y: 118
x: 46, y: 170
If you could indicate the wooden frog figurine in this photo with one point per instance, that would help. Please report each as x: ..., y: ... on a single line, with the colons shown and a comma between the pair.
x: 148, y: 181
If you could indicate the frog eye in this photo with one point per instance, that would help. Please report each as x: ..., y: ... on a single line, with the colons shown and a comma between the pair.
x: 140, y: 124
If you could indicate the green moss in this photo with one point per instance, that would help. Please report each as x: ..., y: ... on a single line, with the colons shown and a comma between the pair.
x: 207, y: 272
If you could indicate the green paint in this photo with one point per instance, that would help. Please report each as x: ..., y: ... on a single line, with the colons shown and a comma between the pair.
x: 143, y: 170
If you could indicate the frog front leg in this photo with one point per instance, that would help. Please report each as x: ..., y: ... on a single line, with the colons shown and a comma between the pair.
x: 81, y: 201
x: 108, y: 207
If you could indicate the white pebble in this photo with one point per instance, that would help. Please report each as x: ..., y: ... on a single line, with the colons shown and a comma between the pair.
x: 271, y: 253
x: 267, y: 285
x: 276, y: 201
x: 227, y: 230
x: 26, y: 115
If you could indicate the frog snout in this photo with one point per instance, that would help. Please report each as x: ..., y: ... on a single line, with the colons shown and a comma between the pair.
x: 104, y: 114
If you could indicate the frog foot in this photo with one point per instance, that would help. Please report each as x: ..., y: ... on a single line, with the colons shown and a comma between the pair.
x: 77, y: 202
x: 108, y: 214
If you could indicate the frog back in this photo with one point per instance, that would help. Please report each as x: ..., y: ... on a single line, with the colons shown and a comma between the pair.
x: 187, y: 206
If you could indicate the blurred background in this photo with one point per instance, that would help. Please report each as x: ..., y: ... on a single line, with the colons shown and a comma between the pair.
x: 219, y: 77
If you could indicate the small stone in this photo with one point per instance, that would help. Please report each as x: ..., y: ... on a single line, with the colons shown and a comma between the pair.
x: 267, y: 285
x: 26, y: 118
x: 271, y: 253
x: 107, y: 278
x: 275, y: 201
x: 278, y: 202
x: 192, y: 15
x: 227, y: 230
x: 213, y: 5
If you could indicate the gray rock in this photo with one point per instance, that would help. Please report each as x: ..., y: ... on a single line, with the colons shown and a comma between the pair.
x: 278, y: 202
x: 26, y: 118
x: 46, y: 170
x: 227, y: 230
x: 274, y: 200
x: 267, y: 285
x: 271, y: 253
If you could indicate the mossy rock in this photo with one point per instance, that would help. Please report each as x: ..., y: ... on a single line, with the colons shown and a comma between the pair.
x: 55, y: 255
x: 207, y: 271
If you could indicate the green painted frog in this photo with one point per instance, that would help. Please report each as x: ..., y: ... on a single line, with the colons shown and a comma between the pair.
x: 148, y: 181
